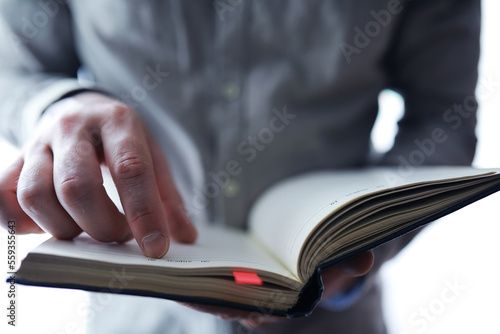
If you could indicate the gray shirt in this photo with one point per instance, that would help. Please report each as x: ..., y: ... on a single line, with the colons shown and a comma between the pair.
x: 241, y: 94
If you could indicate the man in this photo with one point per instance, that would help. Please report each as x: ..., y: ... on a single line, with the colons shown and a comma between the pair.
x: 170, y: 92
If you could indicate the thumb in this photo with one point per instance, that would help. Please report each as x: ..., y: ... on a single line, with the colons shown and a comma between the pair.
x: 357, y: 265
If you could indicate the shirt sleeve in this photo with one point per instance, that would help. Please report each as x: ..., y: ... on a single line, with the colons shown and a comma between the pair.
x: 433, y: 64
x: 38, y: 62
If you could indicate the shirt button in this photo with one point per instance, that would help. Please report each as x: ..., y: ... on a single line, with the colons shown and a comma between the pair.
x: 230, y: 91
x: 231, y: 189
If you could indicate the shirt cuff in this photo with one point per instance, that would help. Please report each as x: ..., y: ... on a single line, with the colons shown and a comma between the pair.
x: 37, y: 104
x: 345, y: 299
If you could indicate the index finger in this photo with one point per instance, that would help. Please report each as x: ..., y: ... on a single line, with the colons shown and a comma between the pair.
x: 129, y: 160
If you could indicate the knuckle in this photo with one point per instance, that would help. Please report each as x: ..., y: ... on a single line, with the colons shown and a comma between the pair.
x: 30, y: 197
x: 140, y: 211
x: 75, y: 189
x: 120, y: 116
x: 68, y: 121
x: 130, y: 166
x: 121, y: 113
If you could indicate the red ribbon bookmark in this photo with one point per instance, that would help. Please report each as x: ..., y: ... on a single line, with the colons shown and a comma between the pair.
x: 247, y: 278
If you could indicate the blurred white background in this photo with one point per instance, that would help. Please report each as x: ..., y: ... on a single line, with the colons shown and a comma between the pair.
x: 461, y: 249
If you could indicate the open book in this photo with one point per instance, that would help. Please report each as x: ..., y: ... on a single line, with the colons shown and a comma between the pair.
x: 296, y: 227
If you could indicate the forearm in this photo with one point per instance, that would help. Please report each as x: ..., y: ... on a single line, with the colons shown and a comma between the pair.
x: 433, y: 63
x: 38, y: 65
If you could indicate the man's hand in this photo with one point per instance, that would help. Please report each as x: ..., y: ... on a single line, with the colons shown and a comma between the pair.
x: 336, y: 279
x: 56, y: 184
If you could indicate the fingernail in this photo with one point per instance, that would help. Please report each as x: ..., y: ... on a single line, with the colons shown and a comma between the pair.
x: 155, y: 245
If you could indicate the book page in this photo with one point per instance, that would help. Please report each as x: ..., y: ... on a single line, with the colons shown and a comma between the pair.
x: 215, y: 247
x: 285, y: 215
